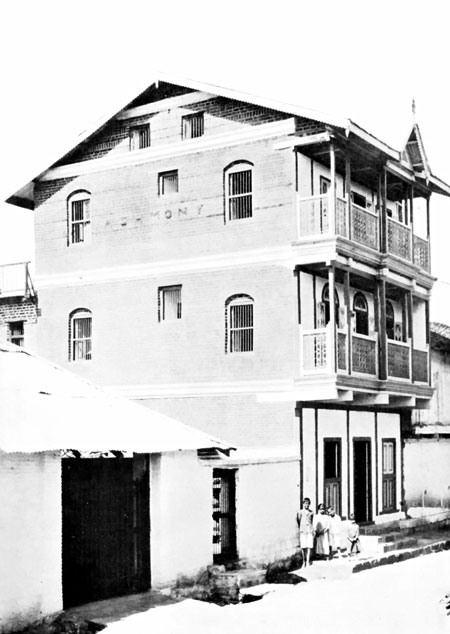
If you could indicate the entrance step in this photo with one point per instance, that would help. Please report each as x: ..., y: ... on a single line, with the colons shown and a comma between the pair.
x: 342, y: 567
x: 386, y: 543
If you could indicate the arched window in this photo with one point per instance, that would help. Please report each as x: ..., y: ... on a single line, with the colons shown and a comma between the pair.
x: 239, y: 191
x: 361, y: 314
x: 79, y: 217
x: 325, y: 318
x: 80, y: 335
x: 239, y: 324
x: 390, y: 320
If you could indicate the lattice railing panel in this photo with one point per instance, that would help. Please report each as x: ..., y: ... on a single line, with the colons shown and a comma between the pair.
x: 398, y: 360
x: 342, y: 351
x: 364, y: 227
x: 341, y: 217
x: 421, y: 253
x: 399, y: 240
x: 420, y: 365
x: 364, y: 353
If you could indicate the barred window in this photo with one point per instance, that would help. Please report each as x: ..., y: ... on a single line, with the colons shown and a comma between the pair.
x: 239, y: 324
x: 239, y: 195
x: 169, y: 302
x: 193, y: 125
x: 168, y: 182
x: 80, y: 335
x: 79, y: 217
x: 140, y: 137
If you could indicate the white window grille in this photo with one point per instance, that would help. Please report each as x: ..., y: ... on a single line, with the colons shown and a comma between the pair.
x: 79, y: 218
x: 240, y: 325
x: 193, y: 125
x: 81, y: 336
x: 139, y: 137
x: 239, y: 192
x: 168, y: 183
x: 169, y: 303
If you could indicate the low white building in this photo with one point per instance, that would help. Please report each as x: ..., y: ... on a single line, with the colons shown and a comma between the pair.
x: 427, y: 449
x: 99, y: 496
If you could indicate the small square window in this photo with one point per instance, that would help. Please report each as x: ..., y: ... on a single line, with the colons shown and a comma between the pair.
x: 139, y: 137
x: 168, y: 183
x: 193, y: 125
x: 16, y: 333
x: 169, y: 303
x: 359, y: 200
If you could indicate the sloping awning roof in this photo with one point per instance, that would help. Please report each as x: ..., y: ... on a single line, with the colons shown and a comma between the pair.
x: 45, y: 408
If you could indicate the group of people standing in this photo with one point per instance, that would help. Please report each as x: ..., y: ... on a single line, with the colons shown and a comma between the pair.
x: 324, y: 533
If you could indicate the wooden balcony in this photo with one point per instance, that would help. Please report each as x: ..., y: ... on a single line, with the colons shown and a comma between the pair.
x: 322, y: 216
x: 15, y: 280
x: 317, y: 356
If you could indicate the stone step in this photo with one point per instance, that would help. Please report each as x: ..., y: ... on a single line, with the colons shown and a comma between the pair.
x: 377, y: 544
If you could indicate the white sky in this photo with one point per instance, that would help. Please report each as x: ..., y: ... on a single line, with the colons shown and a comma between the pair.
x: 65, y: 63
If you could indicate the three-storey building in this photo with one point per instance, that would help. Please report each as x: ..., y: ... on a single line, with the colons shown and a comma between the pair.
x: 258, y: 270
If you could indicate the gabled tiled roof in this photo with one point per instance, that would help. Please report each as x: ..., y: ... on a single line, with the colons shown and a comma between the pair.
x: 440, y: 336
x: 24, y: 196
x: 414, y: 151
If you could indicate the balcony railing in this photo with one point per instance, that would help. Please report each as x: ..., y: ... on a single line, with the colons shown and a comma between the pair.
x: 364, y: 227
x: 315, y: 350
x: 15, y: 280
x: 421, y: 253
x: 316, y: 217
x: 420, y: 365
x: 317, y: 355
x: 399, y: 360
x: 399, y: 239
x: 364, y: 354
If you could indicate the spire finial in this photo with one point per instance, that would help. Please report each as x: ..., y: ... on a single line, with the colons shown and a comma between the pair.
x: 413, y: 108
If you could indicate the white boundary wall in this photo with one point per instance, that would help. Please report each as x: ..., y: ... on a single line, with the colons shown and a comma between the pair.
x: 30, y: 538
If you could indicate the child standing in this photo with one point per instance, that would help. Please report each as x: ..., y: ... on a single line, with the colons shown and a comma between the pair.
x: 321, y: 531
x: 353, y: 537
x: 305, y: 524
x: 335, y: 532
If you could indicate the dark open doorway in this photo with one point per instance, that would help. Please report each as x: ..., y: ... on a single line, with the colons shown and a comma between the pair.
x: 106, y: 528
x: 224, y: 516
x: 362, y: 480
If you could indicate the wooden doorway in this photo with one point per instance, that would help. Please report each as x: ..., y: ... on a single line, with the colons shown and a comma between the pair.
x: 106, y: 528
x: 224, y: 516
x: 332, y: 473
x: 362, y: 480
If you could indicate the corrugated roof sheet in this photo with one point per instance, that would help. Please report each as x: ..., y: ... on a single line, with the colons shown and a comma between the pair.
x: 44, y: 408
